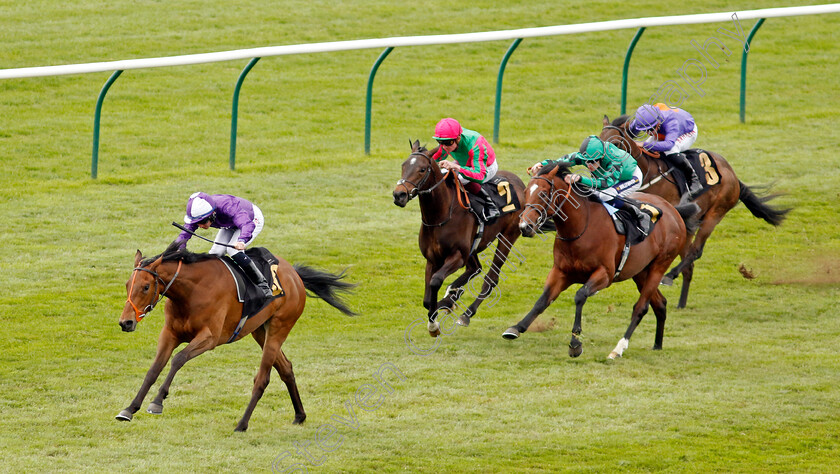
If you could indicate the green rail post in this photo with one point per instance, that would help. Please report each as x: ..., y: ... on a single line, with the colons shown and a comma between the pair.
x: 235, y: 112
x: 498, y: 110
x: 369, y: 98
x: 94, y: 161
x: 744, y: 68
x: 627, y: 68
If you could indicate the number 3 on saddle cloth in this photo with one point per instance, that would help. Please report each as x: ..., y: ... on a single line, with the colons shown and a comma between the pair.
x: 703, y: 165
x: 248, y: 294
x: 503, y: 195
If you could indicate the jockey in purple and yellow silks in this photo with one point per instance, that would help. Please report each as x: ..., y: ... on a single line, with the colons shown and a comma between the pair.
x: 671, y: 131
x: 239, y: 222
x: 475, y: 160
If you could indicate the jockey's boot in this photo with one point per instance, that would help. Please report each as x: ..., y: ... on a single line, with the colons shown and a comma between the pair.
x: 252, y: 272
x: 633, y: 206
x: 694, y: 186
x: 490, y: 209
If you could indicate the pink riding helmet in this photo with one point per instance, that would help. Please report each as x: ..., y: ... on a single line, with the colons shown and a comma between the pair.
x: 447, y: 129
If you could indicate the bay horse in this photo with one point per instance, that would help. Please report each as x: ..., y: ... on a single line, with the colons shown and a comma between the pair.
x: 203, y: 311
x: 588, y: 250
x: 449, y: 229
x: 723, y: 194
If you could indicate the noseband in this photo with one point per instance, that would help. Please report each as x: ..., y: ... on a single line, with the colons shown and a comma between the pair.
x: 139, y: 315
x: 416, y: 190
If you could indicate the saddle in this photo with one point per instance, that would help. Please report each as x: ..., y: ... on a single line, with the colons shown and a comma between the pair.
x: 627, y: 224
x: 501, y: 192
x: 247, y: 293
x: 703, y: 165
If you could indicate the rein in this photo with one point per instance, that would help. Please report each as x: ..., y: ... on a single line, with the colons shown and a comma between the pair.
x: 565, y: 199
x: 139, y: 315
x: 459, y: 189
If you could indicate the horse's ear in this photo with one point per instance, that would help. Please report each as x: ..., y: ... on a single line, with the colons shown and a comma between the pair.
x: 138, y: 257
x: 416, y: 145
x: 606, y: 120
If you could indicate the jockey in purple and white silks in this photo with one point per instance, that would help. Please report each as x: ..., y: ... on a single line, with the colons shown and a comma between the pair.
x: 671, y: 131
x: 239, y: 222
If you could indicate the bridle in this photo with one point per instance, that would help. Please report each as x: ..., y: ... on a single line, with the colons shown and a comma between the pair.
x: 542, y: 212
x: 416, y: 191
x: 139, y: 315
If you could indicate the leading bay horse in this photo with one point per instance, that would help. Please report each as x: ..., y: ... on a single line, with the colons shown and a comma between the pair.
x: 449, y: 230
x: 723, y: 194
x: 203, y: 311
x: 588, y: 250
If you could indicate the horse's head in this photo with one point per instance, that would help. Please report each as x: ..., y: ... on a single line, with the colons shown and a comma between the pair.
x: 143, y: 289
x: 419, y: 173
x: 541, y: 197
x: 618, y: 133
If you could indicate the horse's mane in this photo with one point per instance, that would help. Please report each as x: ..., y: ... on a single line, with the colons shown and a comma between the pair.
x: 174, y: 252
x: 620, y: 120
x: 563, y: 169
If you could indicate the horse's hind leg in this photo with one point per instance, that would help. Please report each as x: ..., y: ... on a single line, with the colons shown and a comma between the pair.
x: 166, y: 344
x: 658, y: 303
x: 284, y: 368
x: 456, y: 289
x: 276, y: 332
x: 200, y: 344
x: 491, y: 279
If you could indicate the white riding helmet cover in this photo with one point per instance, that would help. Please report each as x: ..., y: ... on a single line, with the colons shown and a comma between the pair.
x: 198, y: 208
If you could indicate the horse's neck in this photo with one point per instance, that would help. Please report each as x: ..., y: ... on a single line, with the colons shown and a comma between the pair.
x: 572, y: 213
x: 435, y: 205
x: 186, y: 277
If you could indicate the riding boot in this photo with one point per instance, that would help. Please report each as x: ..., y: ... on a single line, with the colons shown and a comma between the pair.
x: 490, y: 209
x: 252, y: 272
x: 694, y: 186
x: 633, y: 206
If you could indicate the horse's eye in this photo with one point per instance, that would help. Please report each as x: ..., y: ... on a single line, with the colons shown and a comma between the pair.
x: 146, y: 287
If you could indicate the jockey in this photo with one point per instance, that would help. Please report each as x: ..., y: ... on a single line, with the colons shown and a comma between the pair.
x: 239, y: 222
x: 475, y: 160
x: 614, y: 175
x: 672, y: 131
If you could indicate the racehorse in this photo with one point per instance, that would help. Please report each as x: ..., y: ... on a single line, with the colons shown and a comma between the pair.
x: 203, y: 310
x: 588, y: 250
x: 449, y: 230
x: 723, y: 194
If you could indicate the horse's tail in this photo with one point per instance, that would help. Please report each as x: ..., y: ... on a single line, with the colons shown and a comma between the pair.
x: 756, y: 205
x: 324, y: 285
x: 690, y: 213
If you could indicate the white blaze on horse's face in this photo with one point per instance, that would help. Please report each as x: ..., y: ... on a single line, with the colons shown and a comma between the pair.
x: 533, y: 188
x: 413, y: 161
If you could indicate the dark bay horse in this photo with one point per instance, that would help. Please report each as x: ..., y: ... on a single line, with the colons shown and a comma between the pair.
x: 588, y: 250
x: 724, y: 193
x: 448, y: 232
x: 203, y: 311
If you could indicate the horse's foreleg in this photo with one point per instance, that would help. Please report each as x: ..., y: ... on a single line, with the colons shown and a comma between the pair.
x: 456, y: 289
x: 695, y: 251
x: 597, y: 282
x: 276, y: 333
x: 283, y: 366
x: 450, y: 265
x: 202, y: 342
x: 555, y: 283
x: 166, y: 344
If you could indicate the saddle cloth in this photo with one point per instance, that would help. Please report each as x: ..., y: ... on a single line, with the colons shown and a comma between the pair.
x: 502, y: 193
x: 626, y: 224
x: 247, y: 293
x: 704, y: 166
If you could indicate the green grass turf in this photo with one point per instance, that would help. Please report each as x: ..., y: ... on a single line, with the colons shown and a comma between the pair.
x: 747, y: 378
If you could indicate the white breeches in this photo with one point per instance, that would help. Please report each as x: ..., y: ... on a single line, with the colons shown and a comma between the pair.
x: 230, y: 236
x: 621, y: 189
x: 491, y: 171
x: 682, y: 143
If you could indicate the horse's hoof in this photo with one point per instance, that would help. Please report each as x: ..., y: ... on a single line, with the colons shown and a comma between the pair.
x: 434, y: 329
x: 667, y: 281
x: 575, y: 348
x: 613, y: 355
x: 463, y: 320
x: 657, y: 348
x: 155, y: 408
x: 240, y: 428
x: 125, y: 415
x: 299, y: 420
x: 511, y: 333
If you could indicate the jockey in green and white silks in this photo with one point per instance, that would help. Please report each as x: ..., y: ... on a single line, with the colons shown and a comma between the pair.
x: 614, y: 175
